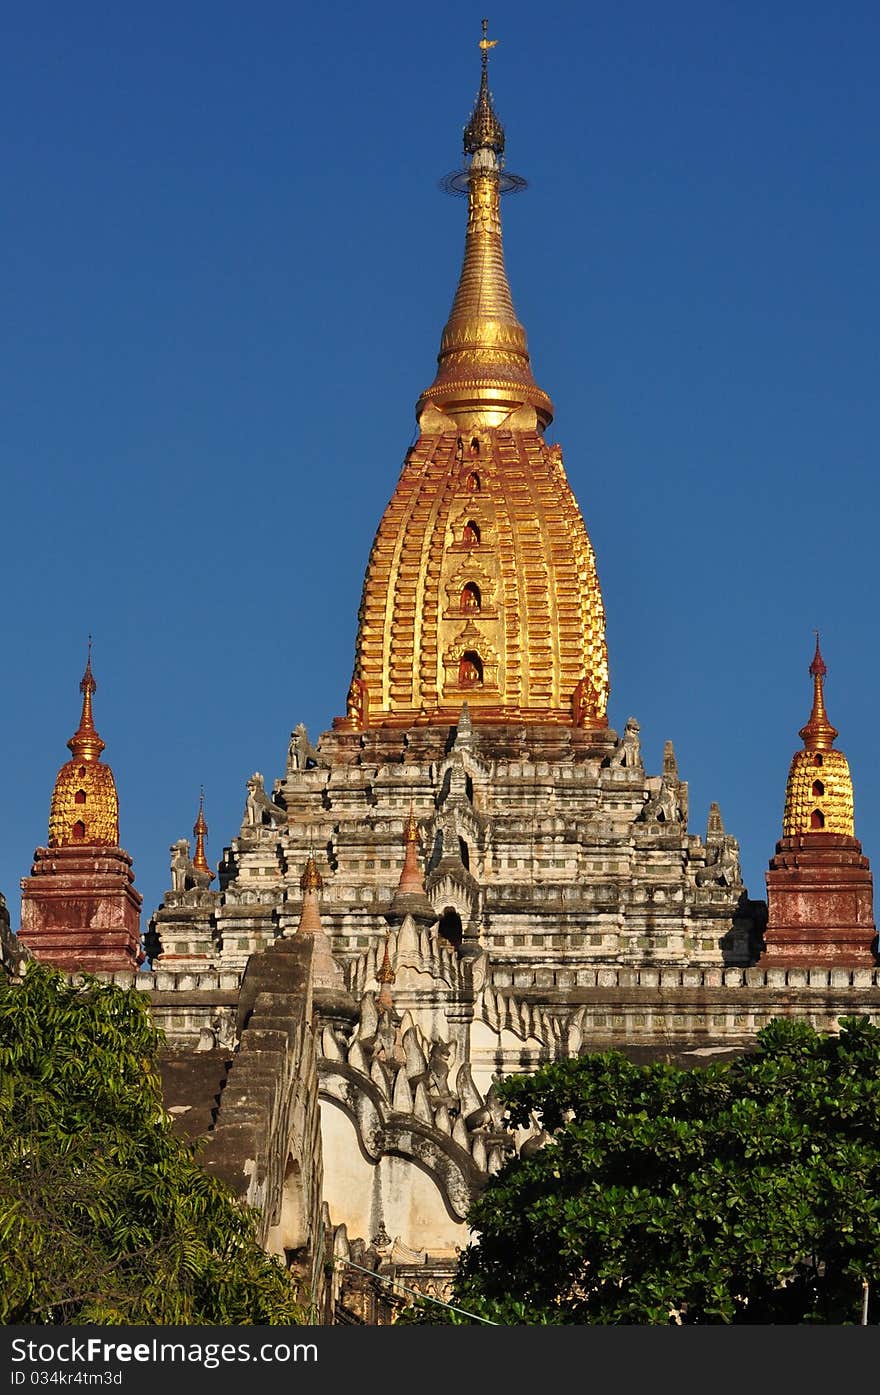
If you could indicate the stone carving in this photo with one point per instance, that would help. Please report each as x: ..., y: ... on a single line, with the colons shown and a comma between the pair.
x: 13, y: 954
x: 181, y: 865
x: 301, y: 754
x: 537, y: 1139
x: 627, y: 752
x: 664, y: 806
x: 387, y: 1043
x: 584, y: 702
x: 223, y: 1026
x: 715, y: 825
x: 259, y: 811
x: 670, y: 764
x: 381, y: 1240
x: 724, y: 870
x: 435, y: 1077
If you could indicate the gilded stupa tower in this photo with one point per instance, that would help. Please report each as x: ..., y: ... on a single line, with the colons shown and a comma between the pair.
x: 819, y: 884
x: 79, y: 908
x: 476, y: 731
x: 481, y: 583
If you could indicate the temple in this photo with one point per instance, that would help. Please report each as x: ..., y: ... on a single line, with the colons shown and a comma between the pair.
x: 470, y: 873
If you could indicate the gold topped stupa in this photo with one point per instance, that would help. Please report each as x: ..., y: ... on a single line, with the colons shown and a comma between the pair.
x: 481, y: 584
x: 819, y: 793
x: 85, y: 806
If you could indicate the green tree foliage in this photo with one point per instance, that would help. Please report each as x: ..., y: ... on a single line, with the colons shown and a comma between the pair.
x: 105, y: 1215
x: 745, y: 1192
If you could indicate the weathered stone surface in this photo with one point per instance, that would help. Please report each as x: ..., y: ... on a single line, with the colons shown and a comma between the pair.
x: 80, y: 910
x: 820, y: 902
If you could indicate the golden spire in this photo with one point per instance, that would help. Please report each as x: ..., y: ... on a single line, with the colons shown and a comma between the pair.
x: 818, y: 734
x: 85, y: 806
x: 484, y: 131
x: 85, y: 743
x: 200, y: 830
x: 819, y: 793
x: 484, y: 372
x: 481, y: 583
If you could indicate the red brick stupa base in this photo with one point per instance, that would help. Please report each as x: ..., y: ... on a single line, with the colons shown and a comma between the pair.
x: 80, y: 911
x: 820, y: 903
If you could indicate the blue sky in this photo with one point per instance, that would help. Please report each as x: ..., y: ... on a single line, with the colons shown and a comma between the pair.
x: 226, y: 268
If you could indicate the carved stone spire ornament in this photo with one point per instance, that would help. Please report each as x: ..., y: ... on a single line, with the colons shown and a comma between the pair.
x: 385, y: 978
x: 326, y: 973
x: 311, y: 884
x: 410, y: 897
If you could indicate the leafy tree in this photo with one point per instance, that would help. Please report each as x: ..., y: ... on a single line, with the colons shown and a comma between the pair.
x: 744, y: 1192
x: 105, y: 1215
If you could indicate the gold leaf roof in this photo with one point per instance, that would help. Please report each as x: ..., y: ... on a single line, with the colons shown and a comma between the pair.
x: 543, y: 636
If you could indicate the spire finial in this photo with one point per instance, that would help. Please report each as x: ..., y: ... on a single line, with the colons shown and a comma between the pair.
x: 200, y: 830
x: 818, y: 734
x: 485, y: 44
x: 484, y: 131
x: 87, y: 683
x: 484, y: 372
x: 85, y: 743
x: 411, y: 881
x: 311, y: 885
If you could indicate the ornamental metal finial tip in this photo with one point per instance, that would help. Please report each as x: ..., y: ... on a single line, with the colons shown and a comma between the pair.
x: 483, y: 368
x: 85, y: 743
x: 484, y: 131
x: 818, y: 734
x: 200, y: 830
x: 87, y: 681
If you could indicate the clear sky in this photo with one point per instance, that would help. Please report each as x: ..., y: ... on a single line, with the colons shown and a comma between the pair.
x: 226, y: 266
